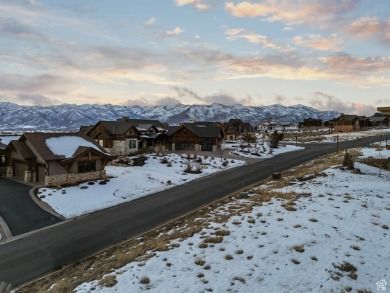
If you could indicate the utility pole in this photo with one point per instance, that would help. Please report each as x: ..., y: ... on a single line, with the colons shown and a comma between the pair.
x: 337, y: 143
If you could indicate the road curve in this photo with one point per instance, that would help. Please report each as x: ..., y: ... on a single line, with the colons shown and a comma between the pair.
x: 35, y: 254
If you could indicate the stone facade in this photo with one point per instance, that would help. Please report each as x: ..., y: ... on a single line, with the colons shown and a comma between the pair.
x: 72, y: 178
x: 121, y: 148
x: 346, y: 128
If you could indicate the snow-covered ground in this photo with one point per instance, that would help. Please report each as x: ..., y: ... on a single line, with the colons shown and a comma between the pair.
x: 129, y: 183
x: 333, y: 238
x: 261, y: 149
x: 325, y: 137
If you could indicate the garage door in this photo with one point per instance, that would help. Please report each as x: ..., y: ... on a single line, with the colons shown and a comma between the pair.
x: 19, y: 168
x: 207, y: 146
x: 184, y: 146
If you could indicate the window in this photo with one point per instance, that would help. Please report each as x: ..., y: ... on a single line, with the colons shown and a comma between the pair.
x: 86, y: 167
x: 132, y: 144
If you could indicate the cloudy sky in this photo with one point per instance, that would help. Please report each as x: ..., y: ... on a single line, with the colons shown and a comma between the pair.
x: 332, y: 55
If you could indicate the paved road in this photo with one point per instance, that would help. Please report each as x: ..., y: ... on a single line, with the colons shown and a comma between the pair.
x: 48, y: 249
x: 19, y: 211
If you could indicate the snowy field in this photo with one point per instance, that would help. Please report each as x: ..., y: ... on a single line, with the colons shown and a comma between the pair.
x: 331, y: 138
x: 333, y: 237
x: 128, y: 183
x: 258, y: 150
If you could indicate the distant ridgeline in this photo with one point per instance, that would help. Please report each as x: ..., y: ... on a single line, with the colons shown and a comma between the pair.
x: 67, y: 117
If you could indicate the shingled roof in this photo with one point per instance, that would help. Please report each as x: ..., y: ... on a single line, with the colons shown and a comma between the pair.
x: 38, y: 144
x: 22, y: 148
x: 201, y: 131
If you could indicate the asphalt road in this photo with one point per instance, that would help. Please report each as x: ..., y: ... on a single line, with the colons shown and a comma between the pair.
x: 40, y: 252
x: 19, y: 211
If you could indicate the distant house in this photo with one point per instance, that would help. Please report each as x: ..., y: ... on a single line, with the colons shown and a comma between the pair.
x: 270, y: 126
x: 127, y: 136
x: 311, y: 122
x: 239, y: 126
x: 55, y: 158
x: 347, y: 123
x: 232, y: 134
x: 194, y: 137
x: 380, y: 121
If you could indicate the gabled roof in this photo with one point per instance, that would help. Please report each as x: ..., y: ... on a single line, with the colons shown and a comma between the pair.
x: 204, y: 131
x: 172, y: 130
x: 38, y: 143
x: 346, y: 117
x: 22, y: 148
x: 379, y: 118
x: 81, y: 150
x: 137, y: 122
x: 120, y: 127
x: 116, y: 127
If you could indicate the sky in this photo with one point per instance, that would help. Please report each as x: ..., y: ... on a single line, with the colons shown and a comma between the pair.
x: 331, y: 55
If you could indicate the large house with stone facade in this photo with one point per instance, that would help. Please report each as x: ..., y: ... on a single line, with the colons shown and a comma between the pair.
x: 127, y: 136
x: 55, y: 158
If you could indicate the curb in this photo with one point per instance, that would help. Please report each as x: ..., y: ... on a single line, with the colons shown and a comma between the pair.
x: 46, y: 207
x: 4, y: 230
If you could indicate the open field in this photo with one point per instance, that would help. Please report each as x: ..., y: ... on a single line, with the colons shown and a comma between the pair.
x: 326, y: 224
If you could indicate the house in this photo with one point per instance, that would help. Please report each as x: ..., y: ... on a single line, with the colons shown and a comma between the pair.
x: 380, y: 121
x: 127, y: 136
x: 270, y: 126
x: 239, y: 125
x: 194, y: 137
x: 311, y: 122
x: 347, y: 123
x: 3, y: 158
x: 55, y: 158
x: 236, y: 127
x: 232, y: 134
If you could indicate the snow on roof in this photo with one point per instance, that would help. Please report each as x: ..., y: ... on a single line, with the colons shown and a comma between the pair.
x: 67, y: 145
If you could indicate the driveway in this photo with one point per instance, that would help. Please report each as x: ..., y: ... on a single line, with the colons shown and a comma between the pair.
x: 19, y: 211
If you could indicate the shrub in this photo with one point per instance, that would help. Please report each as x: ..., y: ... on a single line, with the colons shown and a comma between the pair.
x: 222, y: 233
x: 217, y: 239
x: 203, y: 245
x: 274, y: 139
x: 249, y: 137
x: 348, y: 160
x: 228, y: 257
x: 298, y: 248
x: 241, y: 279
x: 199, y: 262
x: 108, y: 281
x: 145, y: 280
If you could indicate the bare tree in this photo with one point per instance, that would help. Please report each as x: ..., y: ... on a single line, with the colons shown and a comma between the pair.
x: 274, y: 138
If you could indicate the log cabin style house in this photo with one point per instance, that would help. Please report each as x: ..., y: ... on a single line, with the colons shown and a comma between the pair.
x: 127, y: 136
x: 55, y: 158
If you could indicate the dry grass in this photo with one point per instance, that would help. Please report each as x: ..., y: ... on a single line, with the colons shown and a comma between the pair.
x: 222, y: 233
x: 217, y: 239
x: 108, y: 281
x: 144, y: 280
x: 96, y: 267
x: 299, y: 248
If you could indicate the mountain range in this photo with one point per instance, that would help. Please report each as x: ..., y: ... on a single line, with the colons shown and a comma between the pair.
x: 69, y: 117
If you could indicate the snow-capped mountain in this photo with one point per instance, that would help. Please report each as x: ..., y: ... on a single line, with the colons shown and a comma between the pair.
x: 70, y: 117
